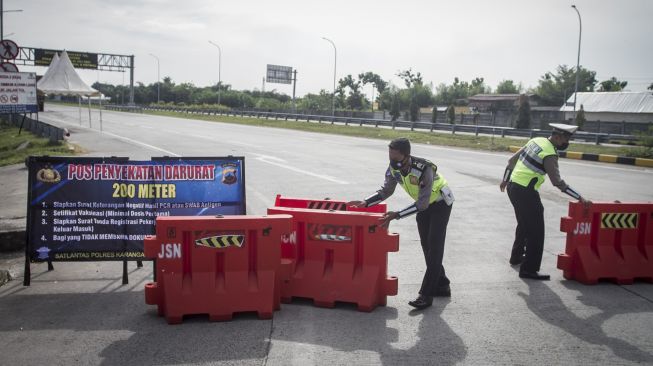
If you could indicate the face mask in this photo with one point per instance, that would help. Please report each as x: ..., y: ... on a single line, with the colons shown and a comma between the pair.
x: 564, y: 146
x: 396, y: 165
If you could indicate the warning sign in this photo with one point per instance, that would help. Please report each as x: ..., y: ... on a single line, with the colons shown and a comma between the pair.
x: 18, y: 92
x: 8, y: 67
x: 8, y: 49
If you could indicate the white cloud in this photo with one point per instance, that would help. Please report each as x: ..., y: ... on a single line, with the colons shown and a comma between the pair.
x: 510, y: 39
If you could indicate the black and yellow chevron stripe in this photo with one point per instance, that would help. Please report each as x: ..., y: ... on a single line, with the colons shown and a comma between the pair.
x: 326, y: 205
x: 221, y: 241
x: 329, y: 232
x: 619, y: 220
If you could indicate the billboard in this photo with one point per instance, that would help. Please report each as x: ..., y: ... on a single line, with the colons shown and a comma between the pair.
x: 86, y: 209
x: 18, y: 92
x: 279, y: 74
x: 80, y: 60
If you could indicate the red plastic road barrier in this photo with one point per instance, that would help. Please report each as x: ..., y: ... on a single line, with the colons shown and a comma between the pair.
x: 338, y: 256
x: 216, y: 265
x: 325, y: 204
x: 612, y: 241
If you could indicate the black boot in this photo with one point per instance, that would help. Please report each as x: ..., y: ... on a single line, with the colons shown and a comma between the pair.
x: 534, y: 276
x: 515, y: 260
x: 422, y: 302
x: 444, y: 291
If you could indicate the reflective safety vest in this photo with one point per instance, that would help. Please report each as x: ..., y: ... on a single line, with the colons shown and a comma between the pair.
x: 531, y: 162
x: 411, y: 182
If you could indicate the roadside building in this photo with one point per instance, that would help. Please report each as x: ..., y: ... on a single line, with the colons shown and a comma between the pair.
x: 612, y: 112
x: 501, y: 109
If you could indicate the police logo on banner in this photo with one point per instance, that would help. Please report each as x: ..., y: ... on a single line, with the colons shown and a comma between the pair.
x: 48, y: 175
x: 229, y: 175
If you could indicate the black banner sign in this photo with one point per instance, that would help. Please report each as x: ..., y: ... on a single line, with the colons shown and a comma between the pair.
x: 89, y: 209
x: 80, y: 60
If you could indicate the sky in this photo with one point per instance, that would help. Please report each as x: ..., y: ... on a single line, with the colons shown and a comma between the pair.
x: 518, y: 40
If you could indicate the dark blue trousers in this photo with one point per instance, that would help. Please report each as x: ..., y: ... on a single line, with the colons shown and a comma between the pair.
x: 432, y: 227
x: 529, y: 235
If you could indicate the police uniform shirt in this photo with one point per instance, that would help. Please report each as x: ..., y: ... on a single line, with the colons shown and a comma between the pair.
x: 425, y: 186
x: 550, y: 167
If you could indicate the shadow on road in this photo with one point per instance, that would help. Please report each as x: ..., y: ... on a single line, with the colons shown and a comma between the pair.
x: 549, y: 307
x: 244, y: 338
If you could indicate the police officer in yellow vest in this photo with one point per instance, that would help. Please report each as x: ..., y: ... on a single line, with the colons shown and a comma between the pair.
x: 523, y: 176
x: 433, y: 201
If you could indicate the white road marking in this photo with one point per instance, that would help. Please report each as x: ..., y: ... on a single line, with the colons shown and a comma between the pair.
x: 281, y: 163
x: 127, y: 139
x: 634, y: 169
x: 267, y: 201
x: 204, y: 137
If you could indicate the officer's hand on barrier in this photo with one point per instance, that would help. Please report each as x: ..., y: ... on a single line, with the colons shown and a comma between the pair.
x: 503, y: 185
x: 586, y: 205
x: 385, y: 220
x: 357, y: 204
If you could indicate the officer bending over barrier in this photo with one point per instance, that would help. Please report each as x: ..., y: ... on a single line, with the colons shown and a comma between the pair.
x: 525, y: 173
x: 433, y: 202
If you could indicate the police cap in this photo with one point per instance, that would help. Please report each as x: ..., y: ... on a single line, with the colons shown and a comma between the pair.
x: 563, y: 128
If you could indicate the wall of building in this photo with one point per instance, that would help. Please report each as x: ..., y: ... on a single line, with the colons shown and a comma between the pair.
x: 614, y: 117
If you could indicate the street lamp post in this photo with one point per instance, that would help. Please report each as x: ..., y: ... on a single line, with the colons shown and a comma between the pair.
x: 2, y: 21
x: 158, y: 78
x: 219, y: 68
x: 580, y: 31
x: 335, y: 60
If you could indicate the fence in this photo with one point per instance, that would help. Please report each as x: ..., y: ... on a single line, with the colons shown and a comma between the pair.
x: 623, y: 128
x: 419, y: 125
x: 36, y: 127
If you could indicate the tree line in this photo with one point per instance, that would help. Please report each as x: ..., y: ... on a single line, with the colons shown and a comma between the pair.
x: 553, y: 89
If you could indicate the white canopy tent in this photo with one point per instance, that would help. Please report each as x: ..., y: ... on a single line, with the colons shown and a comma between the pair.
x: 53, y: 63
x: 62, y: 79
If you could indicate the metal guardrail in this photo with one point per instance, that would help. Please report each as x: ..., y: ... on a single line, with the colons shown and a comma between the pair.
x: 37, y: 127
x: 124, y: 108
x: 597, y: 138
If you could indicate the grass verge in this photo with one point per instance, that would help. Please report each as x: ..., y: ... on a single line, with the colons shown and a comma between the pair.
x: 10, y: 141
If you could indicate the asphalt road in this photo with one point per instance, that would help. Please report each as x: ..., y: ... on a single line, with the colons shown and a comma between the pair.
x: 81, y: 314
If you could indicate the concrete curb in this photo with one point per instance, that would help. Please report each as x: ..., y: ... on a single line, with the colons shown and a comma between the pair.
x: 604, y: 158
x: 12, y: 240
x: 4, y: 276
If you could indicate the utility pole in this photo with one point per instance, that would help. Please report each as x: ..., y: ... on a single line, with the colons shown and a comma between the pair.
x: 2, y: 20
x: 158, y: 78
x: 219, y: 68
x: 294, y: 85
x: 580, y: 32
x: 335, y: 61
x: 131, y: 81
